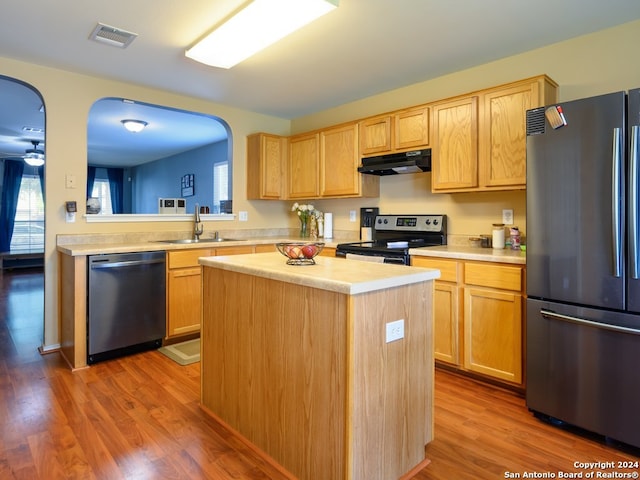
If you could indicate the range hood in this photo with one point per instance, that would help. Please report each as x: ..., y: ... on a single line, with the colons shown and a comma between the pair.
x: 415, y: 161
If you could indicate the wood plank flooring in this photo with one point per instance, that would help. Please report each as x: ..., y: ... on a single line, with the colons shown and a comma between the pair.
x: 139, y: 417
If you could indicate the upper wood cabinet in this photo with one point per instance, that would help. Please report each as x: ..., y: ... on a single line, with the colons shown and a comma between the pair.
x: 339, y: 162
x: 454, y: 153
x: 503, y: 132
x: 266, y: 166
x: 304, y: 166
x: 487, y: 150
x: 397, y: 131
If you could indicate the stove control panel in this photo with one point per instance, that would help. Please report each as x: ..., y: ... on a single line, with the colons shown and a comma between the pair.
x: 411, y: 223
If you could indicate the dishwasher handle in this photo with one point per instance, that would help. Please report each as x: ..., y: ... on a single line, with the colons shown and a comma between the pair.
x: 128, y: 263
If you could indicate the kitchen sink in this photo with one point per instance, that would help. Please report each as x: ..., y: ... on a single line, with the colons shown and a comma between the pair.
x: 202, y: 240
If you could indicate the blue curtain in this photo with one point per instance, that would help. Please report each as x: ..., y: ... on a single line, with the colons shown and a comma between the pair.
x: 11, y: 188
x: 116, y: 181
x: 91, y: 178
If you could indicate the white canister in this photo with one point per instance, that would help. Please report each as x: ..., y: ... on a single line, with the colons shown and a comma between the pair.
x: 498, y: 235
x: 328, y: 225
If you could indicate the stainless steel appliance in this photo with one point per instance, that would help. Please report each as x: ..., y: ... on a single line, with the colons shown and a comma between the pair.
x: 126, y: 304
x: 416, y: 161
x: 394, y: 235
x: 583, y: 288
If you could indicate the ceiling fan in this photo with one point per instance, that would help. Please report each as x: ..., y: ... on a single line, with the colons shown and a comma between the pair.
x: 34, y: 156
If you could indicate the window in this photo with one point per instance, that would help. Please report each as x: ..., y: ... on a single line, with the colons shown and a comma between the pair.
x: 28, y: 230
x: 220, y: 184
x: 102, y: 191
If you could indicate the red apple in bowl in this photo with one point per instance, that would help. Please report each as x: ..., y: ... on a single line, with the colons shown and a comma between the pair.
x: 309, y: 251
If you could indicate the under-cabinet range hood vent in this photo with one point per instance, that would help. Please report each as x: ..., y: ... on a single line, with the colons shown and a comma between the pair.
x: 415, y: 161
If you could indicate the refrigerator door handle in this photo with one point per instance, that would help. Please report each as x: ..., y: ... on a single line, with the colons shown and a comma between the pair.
x: 615, y: 204
x: 549, y: 315
x: 633, y: 201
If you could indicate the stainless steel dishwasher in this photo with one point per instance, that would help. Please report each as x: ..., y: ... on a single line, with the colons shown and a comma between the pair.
x: 127, y: 307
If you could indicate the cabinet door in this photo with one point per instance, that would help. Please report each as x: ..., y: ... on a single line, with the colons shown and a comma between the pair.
x: 445, y: 323
x: 183, y: 301
x: 375, y: 135
x: 412, y: 129
x: 266, y: 156
x: 446, y: 319
x: 493, y: 333
x: 503, y: 155
x: 339, y: 161
x: 455, y: 145
x: 304, y: 161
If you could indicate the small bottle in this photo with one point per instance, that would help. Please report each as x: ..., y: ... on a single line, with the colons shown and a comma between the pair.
x: 515, y: 238
x: 498, y: 236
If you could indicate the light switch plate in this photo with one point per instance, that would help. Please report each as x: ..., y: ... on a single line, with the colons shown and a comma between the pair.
x: 70, y: 181
x: 507, y: 216
x: 243, y: 216
x: 352, y: 215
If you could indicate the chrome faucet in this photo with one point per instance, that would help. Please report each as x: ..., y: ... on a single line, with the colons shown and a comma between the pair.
x: 197, y: 224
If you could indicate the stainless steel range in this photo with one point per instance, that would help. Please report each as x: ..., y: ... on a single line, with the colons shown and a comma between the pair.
x: 394, y: 235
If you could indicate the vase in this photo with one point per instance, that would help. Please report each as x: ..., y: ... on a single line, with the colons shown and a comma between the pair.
x: 304, y: 227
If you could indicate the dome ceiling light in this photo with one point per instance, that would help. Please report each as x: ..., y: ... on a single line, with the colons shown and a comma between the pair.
x: 134, y: 126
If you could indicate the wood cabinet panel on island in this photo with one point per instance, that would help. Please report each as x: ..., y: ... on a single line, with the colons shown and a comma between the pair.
x: 296, y: 360
x: 478, y: 319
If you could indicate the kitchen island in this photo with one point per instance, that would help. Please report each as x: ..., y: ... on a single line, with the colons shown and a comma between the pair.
x: 297, y: 361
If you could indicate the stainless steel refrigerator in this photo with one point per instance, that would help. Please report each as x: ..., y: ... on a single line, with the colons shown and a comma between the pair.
x: 583, y: 287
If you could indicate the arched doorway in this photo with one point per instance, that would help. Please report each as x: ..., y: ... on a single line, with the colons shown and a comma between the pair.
x: 22, y: 204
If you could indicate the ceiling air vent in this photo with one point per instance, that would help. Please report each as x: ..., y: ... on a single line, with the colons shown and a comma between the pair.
x: 112, y: 36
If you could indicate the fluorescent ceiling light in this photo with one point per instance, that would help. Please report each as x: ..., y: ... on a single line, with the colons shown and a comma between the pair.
x: 134, y: 126
x: 260, y: 24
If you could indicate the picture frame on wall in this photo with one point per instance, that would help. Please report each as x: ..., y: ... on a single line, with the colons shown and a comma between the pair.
x: 187, y: 185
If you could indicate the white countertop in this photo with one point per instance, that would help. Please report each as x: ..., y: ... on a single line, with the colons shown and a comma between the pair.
x: 334, y: 274
x: 472, y: 253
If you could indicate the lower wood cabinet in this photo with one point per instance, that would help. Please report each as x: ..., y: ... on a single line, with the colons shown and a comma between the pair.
x: 479, y: 317
x: 184, y: 296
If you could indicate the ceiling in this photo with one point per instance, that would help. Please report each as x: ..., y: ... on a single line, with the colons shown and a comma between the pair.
x: 362, y: 48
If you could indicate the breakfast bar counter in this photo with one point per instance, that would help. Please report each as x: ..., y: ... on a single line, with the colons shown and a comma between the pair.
x: 301, y: 362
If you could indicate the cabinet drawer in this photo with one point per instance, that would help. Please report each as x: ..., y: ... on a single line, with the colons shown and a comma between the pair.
x: 236, y: 250
x: 448, y: 268
x: 495, y: 276
x: 187, y: 258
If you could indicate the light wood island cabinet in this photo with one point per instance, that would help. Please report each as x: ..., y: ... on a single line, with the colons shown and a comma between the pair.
x: 478, y: 319
x: 296, y: 362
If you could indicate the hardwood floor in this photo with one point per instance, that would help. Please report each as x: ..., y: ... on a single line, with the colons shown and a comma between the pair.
x: 138, y: 417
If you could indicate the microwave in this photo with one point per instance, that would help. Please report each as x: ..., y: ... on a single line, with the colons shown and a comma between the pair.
x: 172, y: 205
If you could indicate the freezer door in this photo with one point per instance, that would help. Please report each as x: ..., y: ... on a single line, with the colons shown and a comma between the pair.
x: 633, y: 294
x: 575, y: 203
x: 582, y: 368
